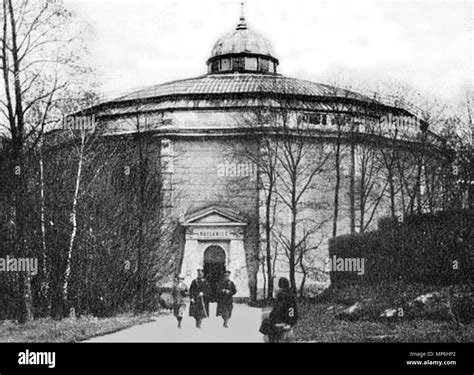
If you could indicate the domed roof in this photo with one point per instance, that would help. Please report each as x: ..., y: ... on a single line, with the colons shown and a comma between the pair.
x: 241, y: 84
x: 243, y: 40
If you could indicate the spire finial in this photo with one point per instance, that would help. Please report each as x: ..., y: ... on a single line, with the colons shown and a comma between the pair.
x: 243, y: 23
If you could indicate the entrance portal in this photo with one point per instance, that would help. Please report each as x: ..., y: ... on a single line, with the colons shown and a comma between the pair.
x: 214, y: 267
x: 215, y: 242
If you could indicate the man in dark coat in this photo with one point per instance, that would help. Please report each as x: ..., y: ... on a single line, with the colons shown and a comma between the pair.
x: 179, y: 293
x: 199, y: 294
x: 225, y: 291
x: 278, y: 326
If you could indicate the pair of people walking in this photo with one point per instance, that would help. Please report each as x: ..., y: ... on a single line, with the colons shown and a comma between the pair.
x: 200, y: 295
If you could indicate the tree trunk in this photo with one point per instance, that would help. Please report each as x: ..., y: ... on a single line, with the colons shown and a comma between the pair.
x: 419, y: 176
x: 268, y: 233
x: 362, y: 197
x: 352, y: 189
x: 303, y: 280
x: 338, y: 182
x: 293, y: 252
x: 73, y: 218
x: 141, y: 218
x: 46, y: 286
x: 27, y: 298
x: 392, y: 192
x: 17, y: 128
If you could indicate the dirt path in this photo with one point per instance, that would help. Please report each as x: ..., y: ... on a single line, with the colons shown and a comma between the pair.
x: 243, y: 327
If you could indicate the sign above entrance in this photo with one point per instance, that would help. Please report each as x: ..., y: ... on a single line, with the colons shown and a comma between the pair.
x: 213, y: 233
x: 214, y: 223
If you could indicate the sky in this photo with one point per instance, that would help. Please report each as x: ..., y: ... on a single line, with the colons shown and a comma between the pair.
x: 427, y: 45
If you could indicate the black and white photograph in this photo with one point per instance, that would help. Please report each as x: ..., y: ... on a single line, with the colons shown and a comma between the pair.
x: 296, y: 175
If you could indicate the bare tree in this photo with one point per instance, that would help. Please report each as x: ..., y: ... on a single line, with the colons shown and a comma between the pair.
x: 73, y: 216
x: 313, y: 236
x: 153, y: 257
x: 263, y: 154
x: 370, y: 188
x: 36, y: 66
x: 457, y: 130
x: 300, y: 162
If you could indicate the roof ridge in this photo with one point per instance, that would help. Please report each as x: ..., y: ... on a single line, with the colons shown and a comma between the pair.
x: 250, y: 83
x: 124, y: 97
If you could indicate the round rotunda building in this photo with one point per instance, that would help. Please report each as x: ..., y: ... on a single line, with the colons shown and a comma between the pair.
x: 250, y: 161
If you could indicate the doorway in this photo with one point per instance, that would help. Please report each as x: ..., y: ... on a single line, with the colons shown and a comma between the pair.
x: 214, y: 267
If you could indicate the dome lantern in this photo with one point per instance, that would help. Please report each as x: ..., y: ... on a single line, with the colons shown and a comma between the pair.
x: 242, y: 50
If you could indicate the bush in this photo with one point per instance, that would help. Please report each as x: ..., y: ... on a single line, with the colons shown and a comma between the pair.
x: 431, y: 249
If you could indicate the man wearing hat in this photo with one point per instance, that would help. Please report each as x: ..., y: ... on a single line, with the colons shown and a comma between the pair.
x: 199, y: 292
x: 225, y: 291
x: 179, y: 293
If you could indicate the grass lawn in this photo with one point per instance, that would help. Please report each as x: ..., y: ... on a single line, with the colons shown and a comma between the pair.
x: 319, y: 324
x: 69, y: 330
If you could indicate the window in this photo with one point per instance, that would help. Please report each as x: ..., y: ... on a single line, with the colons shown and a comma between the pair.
x: 317, y: 119
x: 166, y: 147
x: 165, y: 119
x: 225, y: 65
x: 251, y: 63
x: 324, y: 119
x: 264, y: 65
x: 215, y: 66
x: 314, y: 119
x: 238, y: 63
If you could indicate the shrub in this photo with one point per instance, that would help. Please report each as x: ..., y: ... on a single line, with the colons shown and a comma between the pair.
x: 431, y: 249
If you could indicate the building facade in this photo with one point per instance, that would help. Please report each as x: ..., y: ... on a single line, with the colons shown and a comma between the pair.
x: 209, y: 129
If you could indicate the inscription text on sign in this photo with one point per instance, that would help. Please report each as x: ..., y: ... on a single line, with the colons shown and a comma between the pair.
x: 213, y: 233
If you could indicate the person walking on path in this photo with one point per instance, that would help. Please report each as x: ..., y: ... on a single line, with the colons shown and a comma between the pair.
x: 225, y: 292
x: 199, y: 293
x: 179, y: 293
